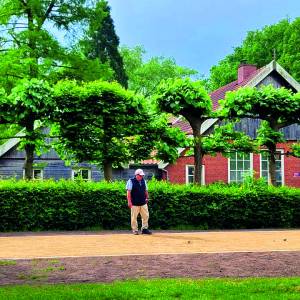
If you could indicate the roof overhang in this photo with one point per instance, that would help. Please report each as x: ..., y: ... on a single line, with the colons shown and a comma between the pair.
x: 266, y: 70
x: 11, y: 143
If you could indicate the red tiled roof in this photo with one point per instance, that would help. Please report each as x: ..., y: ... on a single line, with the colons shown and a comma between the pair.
x: 184, y: 126
x: 150, y: 162
x: 232, y: 86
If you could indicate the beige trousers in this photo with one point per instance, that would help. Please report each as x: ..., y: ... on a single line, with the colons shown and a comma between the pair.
x: 135, y: 211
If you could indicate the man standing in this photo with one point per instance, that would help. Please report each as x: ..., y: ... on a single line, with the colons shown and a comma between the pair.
x: 137, y: 197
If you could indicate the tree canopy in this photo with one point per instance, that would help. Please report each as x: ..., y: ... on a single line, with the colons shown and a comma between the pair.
x: 29, y: 49
x: 279, y: 41
x: 28, y: 104
x: 276, y: 107
x: 145, y: 75
x: 189, y: 99
x: 102, y: 123
x: 102, y: 43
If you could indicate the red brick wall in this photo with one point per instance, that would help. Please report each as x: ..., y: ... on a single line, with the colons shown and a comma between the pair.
x: 216, y: 168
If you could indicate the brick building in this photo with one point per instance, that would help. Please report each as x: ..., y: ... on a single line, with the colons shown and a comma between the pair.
x: 234, y: 168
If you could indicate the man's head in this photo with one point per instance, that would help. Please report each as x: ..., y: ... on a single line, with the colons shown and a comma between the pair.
x: 139, y: 174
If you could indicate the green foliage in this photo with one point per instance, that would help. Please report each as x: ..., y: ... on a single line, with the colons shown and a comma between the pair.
x: 296, y: 150
x: 29, y: 48
x: 166, y: 140
x: 65, y: 205
x: 267, y: 103
x: 28, y: 103
x: 101, y: 41
x: 81, y: 68
x: 258, y: 48
x: 112, y: 125
x: 7, y: 131
x: 30, y: 100
x: 144, y: 76
x: 190, y: 100
x: 184, y: 97
x: 277, y: 107
x: 266, y: 136
x: 225, y: 140
x: 101, y: 116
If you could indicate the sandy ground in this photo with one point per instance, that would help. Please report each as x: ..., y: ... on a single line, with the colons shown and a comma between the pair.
x: 68, y: 257
x: 120, y: 244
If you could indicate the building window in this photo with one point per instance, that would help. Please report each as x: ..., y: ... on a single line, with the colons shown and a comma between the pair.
x: 240, y: 165
x: 264, y: 167
x: 189, y: 174
x: 82, y: 174
x: 37, y: 174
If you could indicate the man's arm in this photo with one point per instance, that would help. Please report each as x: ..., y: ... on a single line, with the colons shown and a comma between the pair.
x: 147, y: 196
x: 146, y: 192
x: 129, y: 188
x: 129, y: 198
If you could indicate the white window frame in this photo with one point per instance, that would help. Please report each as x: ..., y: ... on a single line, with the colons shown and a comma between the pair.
x: 80, y: 169
x: 34, y: 169
x: 250, y: 170
x: 282, y: 166
x: 187, y: 174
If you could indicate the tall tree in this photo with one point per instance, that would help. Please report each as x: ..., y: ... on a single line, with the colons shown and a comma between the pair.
x: 102, y: 42
x: 277, y: 108
x: 145, y: 75
x: 279, y: 41
x: 29, y: 50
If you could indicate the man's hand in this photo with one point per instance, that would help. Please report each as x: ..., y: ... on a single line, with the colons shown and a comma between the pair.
x: 147, y: 200
x: 129, y: 204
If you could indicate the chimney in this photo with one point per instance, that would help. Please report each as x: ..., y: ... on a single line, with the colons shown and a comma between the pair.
x: 244, y: 71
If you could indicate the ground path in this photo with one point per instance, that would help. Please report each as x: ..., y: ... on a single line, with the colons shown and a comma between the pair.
x: 108, y: 256
x: 41, y: 245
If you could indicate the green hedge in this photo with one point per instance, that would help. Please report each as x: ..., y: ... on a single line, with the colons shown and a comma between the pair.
x: 65, y: 205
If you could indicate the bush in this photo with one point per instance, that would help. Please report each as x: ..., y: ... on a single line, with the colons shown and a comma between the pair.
x: 68, y: 205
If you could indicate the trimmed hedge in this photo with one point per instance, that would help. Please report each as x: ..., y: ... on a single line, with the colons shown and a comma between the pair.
x: 68, y: 205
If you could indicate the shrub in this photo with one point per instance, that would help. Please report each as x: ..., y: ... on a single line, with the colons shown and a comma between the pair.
x: 68, y: 205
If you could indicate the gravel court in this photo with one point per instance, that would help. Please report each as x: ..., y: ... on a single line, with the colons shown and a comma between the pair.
x: 32, y: 246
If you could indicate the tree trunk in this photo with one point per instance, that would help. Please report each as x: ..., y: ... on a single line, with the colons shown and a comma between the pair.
x: 198, y: 154
x: 28, y: 165
x: 272, y: 157
x: 107, y: 168
x: 272, y: 164
x: 29, y: 150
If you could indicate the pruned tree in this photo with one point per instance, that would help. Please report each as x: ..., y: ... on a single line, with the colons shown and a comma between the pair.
x: 103, y: 123
x: 189, y: 99
x: 28, y: 103
x: 276, y: 107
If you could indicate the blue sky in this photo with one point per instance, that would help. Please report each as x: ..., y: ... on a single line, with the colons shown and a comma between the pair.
x: 196, y: 33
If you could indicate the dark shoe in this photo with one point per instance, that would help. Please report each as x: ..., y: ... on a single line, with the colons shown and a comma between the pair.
x: 135, y: 232
x: 146, y: 231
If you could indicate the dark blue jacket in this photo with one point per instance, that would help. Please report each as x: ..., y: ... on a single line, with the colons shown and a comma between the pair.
x: 138, y: 192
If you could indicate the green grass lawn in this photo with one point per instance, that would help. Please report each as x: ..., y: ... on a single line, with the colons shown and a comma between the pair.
x: 261, y: 288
